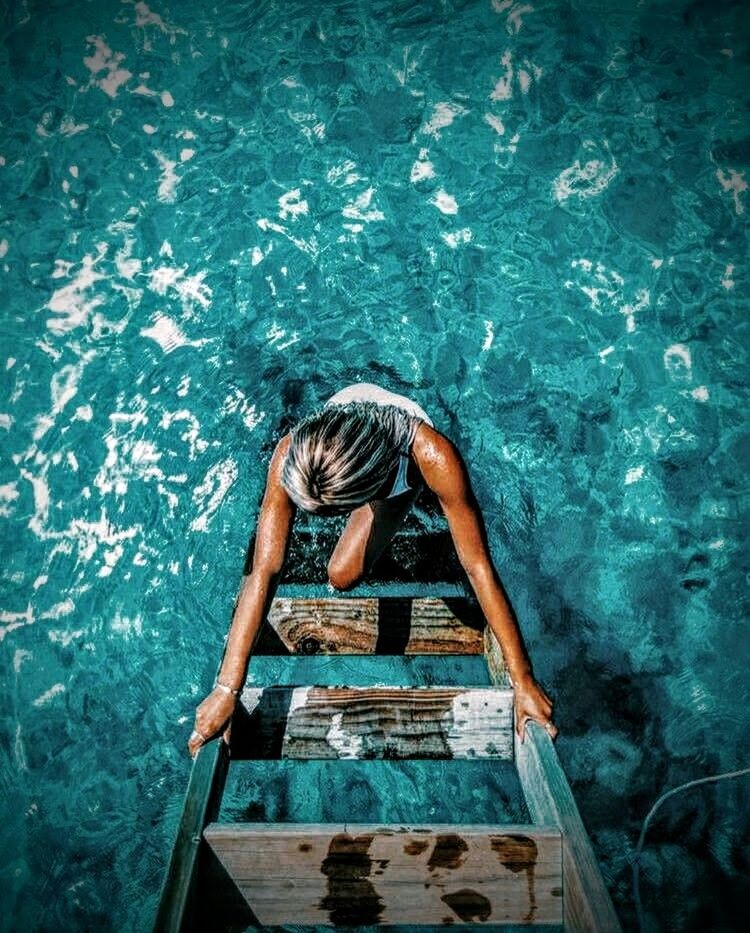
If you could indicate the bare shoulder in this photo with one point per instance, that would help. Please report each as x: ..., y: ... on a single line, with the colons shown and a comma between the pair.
x: 276, y: 465
x: 439, y: 461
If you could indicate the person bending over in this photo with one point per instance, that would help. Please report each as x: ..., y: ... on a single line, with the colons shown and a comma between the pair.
x: 367, y: 452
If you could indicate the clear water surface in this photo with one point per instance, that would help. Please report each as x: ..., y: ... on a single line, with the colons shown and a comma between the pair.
x: 531, y: 217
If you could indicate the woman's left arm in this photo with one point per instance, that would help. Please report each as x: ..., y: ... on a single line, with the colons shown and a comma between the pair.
x: 445, y: 473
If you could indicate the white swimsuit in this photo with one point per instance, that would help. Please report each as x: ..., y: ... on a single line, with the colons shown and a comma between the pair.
x: 369, y: 392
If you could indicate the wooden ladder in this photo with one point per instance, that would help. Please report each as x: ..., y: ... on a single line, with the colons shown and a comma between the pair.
x: 229, y: 875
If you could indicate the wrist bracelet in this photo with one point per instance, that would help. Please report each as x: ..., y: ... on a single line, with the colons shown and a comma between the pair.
x: 226, y: 689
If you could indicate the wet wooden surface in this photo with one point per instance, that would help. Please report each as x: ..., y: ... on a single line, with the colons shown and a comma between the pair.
x: 374, y: 722
x: 359, y: 874
x: 370, y: 625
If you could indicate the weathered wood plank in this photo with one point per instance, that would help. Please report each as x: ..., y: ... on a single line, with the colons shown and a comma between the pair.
x: 367, y: 625
x: 361, y: 874
x: 376, y: 722
x: 587, y: 904
x: 202, y: 800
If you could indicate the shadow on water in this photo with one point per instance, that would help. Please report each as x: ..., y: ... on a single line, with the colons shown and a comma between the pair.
x: 612, y: 746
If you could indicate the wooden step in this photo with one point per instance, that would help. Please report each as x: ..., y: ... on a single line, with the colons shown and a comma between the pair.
x: 360, y: 874
x: 315, y: 624
x: 373, y: 722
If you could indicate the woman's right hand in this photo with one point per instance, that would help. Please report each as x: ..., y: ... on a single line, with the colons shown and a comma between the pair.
x: 211, y: 717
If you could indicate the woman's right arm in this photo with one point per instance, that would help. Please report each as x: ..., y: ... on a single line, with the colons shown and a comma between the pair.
x: 271, y: 540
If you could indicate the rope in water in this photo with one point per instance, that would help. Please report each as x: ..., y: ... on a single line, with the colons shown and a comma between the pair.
x: 644, y: 829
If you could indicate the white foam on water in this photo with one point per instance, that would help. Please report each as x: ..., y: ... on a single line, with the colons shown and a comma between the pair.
x: 489, y: 334
x: 149, y: 128
x: 186, y: 154
x: 422, y: 168
x: 167, y: 334
x: 126, y: 626
x: 516, y: 11
x: 191, y: 289
x: 104, y: 59
x: 409, y: 68
x: 236, y: 402
x: 65, y: 637
x: 360, y: 208
x: 14, y: 620
x: 211, y: 492
x: 127, y: 455
x: 522, y: 76
x: 700, y: 393
x: 678, y: 362
x: 190, y: 436
x: 306, y: 246
x: 63, y: 387
x: 727, y: 281
x: 3, y: 248
x: 145, y: 17
x: 503, y: 89
x: 309, y: 124
x: 64, y: 608
x: 72, y: 303
x: 343, y: 175
x: 586, y: 180
x: 292, y: 204
x: 167, y: 190
x: 20, y: 657
x: 6, y: 421
x: 735, y: 183
x: 496, y: 123
x: 454, y: 239
x: 345, y: 744
x: 444, y: 113
x: 111, y: 557
x: 606, y: 282
x: 642, y: 300
x: 166, y: 99
x: 276, y: 334
x: 50, y: 694
x: 633, y: 475
x: 444, y: 202
x: 69, y: 128
x: 83, y: 413
x: 126, y: 264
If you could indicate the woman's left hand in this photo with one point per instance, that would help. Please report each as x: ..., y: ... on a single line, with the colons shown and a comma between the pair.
x: 531, y: 702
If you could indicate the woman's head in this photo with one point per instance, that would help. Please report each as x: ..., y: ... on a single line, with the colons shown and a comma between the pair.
x: 341, y: 456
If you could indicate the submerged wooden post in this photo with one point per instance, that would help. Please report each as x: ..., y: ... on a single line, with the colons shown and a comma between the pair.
x: 205, y: 789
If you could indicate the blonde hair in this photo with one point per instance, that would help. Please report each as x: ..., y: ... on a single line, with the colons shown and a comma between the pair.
x: 341, y: 456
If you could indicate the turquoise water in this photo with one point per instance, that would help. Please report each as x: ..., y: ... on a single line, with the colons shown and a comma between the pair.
x: 529, y: 217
